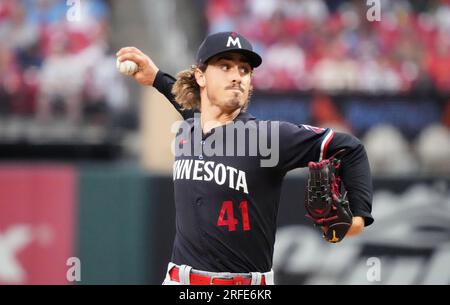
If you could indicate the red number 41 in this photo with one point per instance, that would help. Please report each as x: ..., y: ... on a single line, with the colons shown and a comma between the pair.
x: 226, y: 216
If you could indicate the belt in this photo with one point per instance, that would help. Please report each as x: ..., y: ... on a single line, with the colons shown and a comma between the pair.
x: 199, y: 279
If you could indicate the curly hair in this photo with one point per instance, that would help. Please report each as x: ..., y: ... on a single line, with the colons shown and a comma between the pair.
x: 187, y: 91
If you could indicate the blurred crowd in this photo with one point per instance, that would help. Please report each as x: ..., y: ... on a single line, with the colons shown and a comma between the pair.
x: 55, y: 61
x: 331, y: 45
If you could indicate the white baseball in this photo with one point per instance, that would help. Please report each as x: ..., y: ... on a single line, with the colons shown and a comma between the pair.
x: 127, y: 67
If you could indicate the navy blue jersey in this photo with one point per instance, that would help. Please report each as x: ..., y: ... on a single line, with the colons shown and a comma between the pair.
x: 227, y: 204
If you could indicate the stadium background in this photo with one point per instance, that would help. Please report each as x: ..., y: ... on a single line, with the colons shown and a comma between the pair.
x: 85, y: 153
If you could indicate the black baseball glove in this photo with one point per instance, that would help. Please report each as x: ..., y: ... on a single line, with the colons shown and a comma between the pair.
x: 324, y: 204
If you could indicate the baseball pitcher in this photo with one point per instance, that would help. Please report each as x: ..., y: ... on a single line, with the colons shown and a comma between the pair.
x: 227, y: 181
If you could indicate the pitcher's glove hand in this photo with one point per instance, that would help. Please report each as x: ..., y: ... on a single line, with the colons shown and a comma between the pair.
x: 324, y: 204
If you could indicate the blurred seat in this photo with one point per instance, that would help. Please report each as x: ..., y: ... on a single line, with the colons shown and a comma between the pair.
x: 433, y: 149
x: 389, y: 152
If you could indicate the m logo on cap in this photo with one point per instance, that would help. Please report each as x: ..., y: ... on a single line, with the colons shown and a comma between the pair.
x: 234, y: 41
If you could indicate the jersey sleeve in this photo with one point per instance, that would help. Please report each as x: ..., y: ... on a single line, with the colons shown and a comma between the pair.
x: 164, y: 83
x: 300, y: 144
x: 355, y: 173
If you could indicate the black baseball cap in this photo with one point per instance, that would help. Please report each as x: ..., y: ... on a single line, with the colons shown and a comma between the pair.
x: 223, y: 42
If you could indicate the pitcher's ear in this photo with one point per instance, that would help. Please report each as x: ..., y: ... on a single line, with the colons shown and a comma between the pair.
x: 200, y: 78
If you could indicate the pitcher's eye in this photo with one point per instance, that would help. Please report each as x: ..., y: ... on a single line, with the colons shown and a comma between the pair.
x: 245, y: 70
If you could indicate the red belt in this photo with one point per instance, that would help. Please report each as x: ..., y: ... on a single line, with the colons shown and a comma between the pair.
x: 198, y: 279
